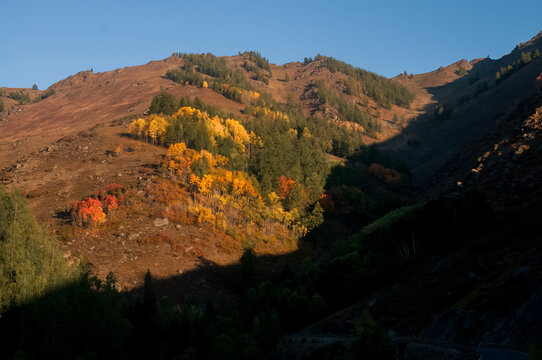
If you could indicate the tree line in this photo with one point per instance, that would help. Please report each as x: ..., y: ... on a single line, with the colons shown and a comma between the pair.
x: 383, y: 90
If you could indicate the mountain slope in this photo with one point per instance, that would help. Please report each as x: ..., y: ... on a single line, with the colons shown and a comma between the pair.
x: 474, y: 104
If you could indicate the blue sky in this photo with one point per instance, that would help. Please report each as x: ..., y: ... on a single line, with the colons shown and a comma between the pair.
x: 46, y: 41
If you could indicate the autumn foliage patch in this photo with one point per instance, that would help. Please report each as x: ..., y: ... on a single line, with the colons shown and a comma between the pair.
x: 88, y: 212
x: 92, y: 211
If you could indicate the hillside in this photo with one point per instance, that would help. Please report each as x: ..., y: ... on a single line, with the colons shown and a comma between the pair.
x: 239, y: 203
x: 473, y: 104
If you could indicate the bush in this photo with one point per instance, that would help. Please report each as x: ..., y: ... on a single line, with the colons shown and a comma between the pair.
x: 22, y: 97
x: 88, y: 212
x: 47, y: 94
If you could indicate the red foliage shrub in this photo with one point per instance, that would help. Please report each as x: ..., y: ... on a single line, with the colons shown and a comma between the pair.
x: 88, y: 212
x: 110, y: 202
x: 92, y: 211
x: 538, y: 82
x: 387, y: 176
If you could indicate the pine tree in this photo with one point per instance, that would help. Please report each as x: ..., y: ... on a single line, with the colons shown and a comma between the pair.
x: 149, y: 296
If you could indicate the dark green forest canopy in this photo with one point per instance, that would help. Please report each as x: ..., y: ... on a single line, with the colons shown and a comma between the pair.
x: 383, y: 90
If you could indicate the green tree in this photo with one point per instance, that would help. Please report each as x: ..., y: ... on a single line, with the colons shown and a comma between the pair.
x: 34, y: 87
x: 149, y: 296
x: 30, y: 263
x: 164, y: 103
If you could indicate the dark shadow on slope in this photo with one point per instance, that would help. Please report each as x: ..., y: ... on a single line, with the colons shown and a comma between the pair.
x: 476, y: 106
x: 465, y: 260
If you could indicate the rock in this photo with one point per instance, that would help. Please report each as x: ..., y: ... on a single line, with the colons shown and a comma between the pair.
x: 133, y: 236
x: 161, y: 222
x: 178, y: 226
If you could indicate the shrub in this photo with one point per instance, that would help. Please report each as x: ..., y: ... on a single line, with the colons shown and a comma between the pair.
x: 91, y: 212
x: 88, y: 212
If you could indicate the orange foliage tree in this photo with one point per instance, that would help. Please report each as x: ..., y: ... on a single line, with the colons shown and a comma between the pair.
x: 286, y: 185
x: 156, y: 128
x: 88, y: 212
x: 228, y: 200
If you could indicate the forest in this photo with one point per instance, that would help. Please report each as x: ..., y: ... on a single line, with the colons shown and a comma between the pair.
x: 383, y: 90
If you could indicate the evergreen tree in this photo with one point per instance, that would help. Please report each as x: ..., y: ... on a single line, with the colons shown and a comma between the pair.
x: 149, y: 296
x: 30, y: 263
x: 164, y: 103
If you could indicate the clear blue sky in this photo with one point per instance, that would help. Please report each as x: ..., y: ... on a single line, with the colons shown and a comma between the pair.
x: 46, y: 41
